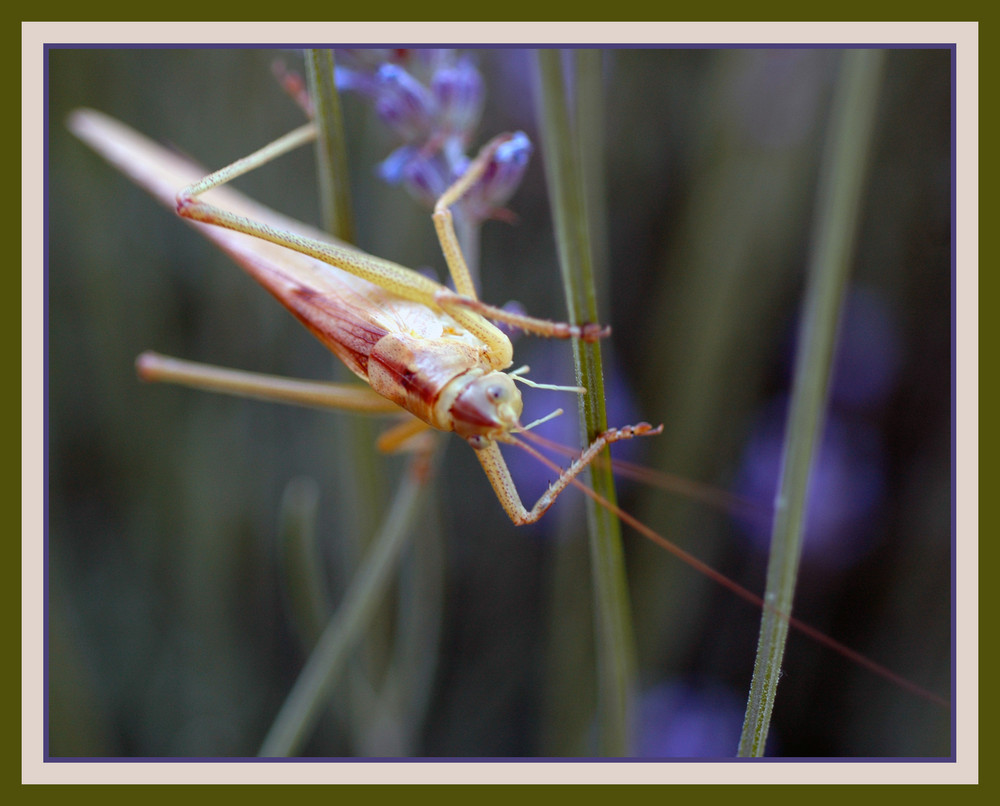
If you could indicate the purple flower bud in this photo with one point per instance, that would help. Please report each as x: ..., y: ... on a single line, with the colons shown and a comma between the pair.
x: 425, y: 179
x: 868, y: 355
x: 500, y: 179
x: 435, y: 122
x: 349, y: 80
x: 391, y: 168
x: 403, y: 103
x: 459, y: 92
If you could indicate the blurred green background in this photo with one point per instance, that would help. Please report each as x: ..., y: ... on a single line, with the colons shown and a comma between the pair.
x: 170, y: 618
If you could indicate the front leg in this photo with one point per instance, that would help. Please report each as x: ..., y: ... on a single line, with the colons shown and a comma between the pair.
x: 443, y: 221
x: 503, y: 485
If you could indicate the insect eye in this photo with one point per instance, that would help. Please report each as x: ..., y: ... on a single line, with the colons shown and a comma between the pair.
x: 495, y: 393
x: 478, y: 442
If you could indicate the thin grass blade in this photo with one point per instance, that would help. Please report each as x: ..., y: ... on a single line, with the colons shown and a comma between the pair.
x: 839, y: 199
x: 331, y: 149
x: 613, y: 623
x: 346, y: 628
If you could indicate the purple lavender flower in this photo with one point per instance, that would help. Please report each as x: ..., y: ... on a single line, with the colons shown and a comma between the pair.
x: 404, y: 104
x: 433, y: 105
x: 425, y: 179
x: 459, y: 92
x: 500, y: 180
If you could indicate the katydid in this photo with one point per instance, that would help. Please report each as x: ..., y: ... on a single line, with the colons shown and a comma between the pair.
x: 426, y: 349
x: 422, y: 348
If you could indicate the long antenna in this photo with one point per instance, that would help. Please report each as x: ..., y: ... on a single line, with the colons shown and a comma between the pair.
x: 518, y: 375
x: 540, y: 420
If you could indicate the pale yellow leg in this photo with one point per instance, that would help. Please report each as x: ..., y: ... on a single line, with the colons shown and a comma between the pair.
x: 445, y: 225
x: 409, y: 435
x: 318, y: 394
x: 503, y: 485
x: 450, y: 302
x: 464, y: 296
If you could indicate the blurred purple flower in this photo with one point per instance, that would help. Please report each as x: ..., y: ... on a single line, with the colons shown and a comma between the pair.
x: 500, y: 180
x: 432, y: 101
x: 425, y: 179
x: 848, y: 476
x: 846, y: 488
x: 403, y: 103
x: 349, y: 80
x: 679, y: 720
x: 459, y: 91
x: 867, y: 362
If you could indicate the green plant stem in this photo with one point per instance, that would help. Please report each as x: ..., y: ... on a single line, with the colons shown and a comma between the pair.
x: 345, y: 629
x: 301, y: 559
x: 613, y: 624
x: 331, y: 150
x: 839, y: 199
x: 591, y: 141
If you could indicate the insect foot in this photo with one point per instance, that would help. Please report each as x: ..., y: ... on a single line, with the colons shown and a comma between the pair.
x: 595, y: 332
x: 629, y: 431
x: 590, y: 331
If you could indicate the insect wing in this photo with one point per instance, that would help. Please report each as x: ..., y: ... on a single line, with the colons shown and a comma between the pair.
x: 344, y: 312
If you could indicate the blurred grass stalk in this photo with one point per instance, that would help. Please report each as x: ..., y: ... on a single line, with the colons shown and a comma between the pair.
x: 564, y: 176
x: 839, y: 195
x: 331, y: 149
x: 346, y: 628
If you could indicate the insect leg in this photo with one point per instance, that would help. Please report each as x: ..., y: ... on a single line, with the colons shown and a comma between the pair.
x: 408, y: 435
x: 465, y: 296
x: 288, y: 142
x: 497, y: 472
x: 450, y: 301
x: 445, y: 225
x: 347, y: 397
